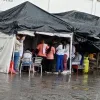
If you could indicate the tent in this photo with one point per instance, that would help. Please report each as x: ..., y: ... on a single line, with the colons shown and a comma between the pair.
x: 7, y: 43
x: 28, y: 17
x: 6, y: 48
x: 82, y: 22
x: 86, y: 27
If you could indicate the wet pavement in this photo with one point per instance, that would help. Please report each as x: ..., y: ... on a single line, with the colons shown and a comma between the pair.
x: 50, y: 87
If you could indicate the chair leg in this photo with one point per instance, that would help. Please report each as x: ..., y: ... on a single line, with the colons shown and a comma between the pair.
x: 20, y: 68
x: 41, y: 70
x: 38, y: 69
x: 33, y: 70
x: 29, y: 70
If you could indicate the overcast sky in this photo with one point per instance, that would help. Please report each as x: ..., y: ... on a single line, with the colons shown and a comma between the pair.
x: 55, y: 6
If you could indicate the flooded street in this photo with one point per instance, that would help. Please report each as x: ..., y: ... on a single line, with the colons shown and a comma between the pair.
x: 50, y: 87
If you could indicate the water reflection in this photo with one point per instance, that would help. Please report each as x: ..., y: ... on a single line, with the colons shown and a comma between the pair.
x: 11, y: 77
x: 51, y: 81
x: 49, y: 87
x: 68, y: 78
x: 85, y: 79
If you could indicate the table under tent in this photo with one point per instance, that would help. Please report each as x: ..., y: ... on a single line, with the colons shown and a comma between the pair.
x: 30, y: 20
x: 86, y: 30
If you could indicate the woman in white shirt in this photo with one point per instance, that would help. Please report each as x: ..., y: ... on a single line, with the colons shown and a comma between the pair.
x: 17, y: 53
x: 21, y: 47
x: 27, y: 56
x: 60, y: 55
x: 27, y: 59
x: 66, y: 54
x: 73, y: 51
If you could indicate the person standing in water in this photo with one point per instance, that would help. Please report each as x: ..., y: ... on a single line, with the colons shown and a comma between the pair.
x: 50, y: 58
x: 60, y: 56
x: 42, y: 48
x: 18, y: 44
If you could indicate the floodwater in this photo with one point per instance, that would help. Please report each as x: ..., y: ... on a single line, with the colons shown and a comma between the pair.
x: 50, y: 87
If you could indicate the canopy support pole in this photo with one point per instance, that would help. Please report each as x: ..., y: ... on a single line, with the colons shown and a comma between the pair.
x: 71, y: 40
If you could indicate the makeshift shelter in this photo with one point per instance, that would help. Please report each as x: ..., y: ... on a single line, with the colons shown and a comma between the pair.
x: 6, y: 48
x: 27, y: 16
x: 86, y: 27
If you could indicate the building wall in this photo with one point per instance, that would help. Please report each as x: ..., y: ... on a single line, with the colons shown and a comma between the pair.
x: 55, y: 6
x: 67, y: 5
x: 97, y: 12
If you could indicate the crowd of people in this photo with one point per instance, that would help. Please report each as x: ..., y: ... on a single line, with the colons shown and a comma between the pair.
x: 55, y: 58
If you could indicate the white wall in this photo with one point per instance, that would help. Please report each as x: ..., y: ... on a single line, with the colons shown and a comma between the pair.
x: 56, y: 6
x: 97, y: 9
x: 66, y: 5
x: 4, y: 4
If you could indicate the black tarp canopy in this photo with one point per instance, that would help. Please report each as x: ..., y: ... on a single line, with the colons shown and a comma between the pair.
x: 81, y: 22
x: 86, y: 28
x: 27, y: 16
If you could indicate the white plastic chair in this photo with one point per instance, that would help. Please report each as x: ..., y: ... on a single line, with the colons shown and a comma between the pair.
x: 37, y: 63
x: 26, y: 62
x: 79, y: 66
